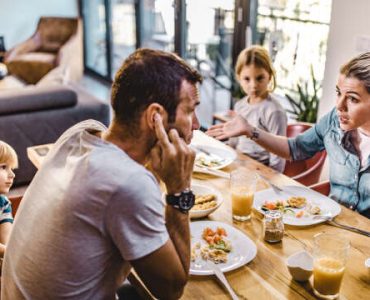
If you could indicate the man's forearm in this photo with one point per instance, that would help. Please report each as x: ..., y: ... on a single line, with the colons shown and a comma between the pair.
x: 177, y: 224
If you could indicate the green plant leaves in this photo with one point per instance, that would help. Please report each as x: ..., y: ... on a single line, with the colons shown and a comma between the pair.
x: 306, y: 102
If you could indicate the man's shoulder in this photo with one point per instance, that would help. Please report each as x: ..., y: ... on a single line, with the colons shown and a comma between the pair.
x: 89, y: 126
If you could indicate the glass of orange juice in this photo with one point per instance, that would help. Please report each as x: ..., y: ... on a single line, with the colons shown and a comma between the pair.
x: 242, y: 186
x: 330, y: 256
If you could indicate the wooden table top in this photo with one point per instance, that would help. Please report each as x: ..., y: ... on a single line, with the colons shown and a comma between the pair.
x: 266, y: 276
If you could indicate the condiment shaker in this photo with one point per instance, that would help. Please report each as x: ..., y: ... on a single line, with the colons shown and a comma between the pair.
x: 273, y: 226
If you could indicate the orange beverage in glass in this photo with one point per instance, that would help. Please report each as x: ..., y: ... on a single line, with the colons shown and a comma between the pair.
x: 328, y: 273
x: 330, y: 256
x: 242, y: 185
x: 242, y: 204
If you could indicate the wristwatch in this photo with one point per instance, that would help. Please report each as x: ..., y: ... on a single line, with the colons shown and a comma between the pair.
x: 183, y: 201
x: 255, y: 134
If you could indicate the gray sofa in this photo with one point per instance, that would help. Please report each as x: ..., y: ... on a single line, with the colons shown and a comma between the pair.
x: 39, y: 115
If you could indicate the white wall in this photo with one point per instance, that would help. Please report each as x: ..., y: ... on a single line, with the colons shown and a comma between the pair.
x: 18, y: 18
x: 349, y: 20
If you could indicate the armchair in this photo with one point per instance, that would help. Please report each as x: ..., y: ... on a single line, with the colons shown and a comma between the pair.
x: 57, y: 42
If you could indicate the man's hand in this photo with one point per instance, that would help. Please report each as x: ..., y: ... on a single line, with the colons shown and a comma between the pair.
x: 172, y: 159
x: 236, y: 127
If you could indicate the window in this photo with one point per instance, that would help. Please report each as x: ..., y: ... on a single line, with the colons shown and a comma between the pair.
x: 295, y: 32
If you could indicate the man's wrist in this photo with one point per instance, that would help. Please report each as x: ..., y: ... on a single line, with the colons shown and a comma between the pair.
x: 183, y: 201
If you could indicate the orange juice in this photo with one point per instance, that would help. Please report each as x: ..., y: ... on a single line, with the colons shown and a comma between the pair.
x: 242, y: 205
x: 328, y: 274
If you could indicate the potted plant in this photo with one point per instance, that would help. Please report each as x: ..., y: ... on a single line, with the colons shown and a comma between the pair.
x: 305, y: 103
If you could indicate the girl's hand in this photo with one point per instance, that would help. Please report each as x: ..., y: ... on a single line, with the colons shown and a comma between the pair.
x: 236, y: 127
x: 172, y: 159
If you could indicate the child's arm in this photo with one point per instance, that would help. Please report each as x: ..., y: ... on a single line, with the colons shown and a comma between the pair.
x: 5, y: 230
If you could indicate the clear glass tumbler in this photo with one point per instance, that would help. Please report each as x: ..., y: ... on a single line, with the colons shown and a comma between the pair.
x: 330, y: 257
x: 242, y: 186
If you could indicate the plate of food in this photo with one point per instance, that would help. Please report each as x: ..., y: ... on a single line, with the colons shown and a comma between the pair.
x: 213, y: 157
x: 300, y: 206
x: 221, y: 243
x: 207, y: 200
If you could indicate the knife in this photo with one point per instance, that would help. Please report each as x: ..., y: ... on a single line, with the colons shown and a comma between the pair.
x: 221, y: 277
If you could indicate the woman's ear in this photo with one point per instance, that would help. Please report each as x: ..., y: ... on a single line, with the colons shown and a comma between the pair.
x: 153, y: 109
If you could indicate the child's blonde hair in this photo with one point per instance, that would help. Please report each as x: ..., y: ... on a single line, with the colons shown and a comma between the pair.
x: 258, y: 56
x: 8, y: 155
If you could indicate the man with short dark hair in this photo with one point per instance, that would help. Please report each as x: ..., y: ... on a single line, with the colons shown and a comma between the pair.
x: 93, y: 210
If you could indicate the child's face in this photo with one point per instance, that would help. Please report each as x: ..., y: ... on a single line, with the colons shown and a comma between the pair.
x: 6, y: 178
x: 254, y: 81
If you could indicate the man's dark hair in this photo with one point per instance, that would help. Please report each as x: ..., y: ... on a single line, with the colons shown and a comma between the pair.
x: 148, y: 76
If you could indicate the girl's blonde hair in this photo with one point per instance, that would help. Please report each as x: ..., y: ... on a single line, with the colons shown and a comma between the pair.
x: 259, y: 57
x: 8, y: 155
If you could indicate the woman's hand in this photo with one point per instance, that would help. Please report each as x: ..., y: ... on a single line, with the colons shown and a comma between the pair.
x: 172, y: 159
x: 236, y: 127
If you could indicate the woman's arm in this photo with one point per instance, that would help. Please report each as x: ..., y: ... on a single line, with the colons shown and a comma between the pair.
x: 239, y: 126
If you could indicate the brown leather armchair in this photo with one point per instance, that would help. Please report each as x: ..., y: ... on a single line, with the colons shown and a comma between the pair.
x: 57, y: 42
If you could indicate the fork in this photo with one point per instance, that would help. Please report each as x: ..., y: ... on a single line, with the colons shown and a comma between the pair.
x: 221, y: 277
x: 276, y: 188
x: 330, y: 220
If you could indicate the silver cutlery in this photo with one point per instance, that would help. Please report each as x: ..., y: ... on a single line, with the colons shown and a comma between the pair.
x: 330, y: 220
x: 207, y: 170
x: 209, y: 154
x: 276, y: 188
x: 221, y: 277
x: 200, y: 149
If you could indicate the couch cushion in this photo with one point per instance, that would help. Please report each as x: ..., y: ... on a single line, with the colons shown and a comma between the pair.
x: 36, y: 99
x: 31, y: 67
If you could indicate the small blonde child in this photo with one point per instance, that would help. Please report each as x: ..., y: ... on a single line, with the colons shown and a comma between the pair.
x: 8, y: 162
x: 259, y: 107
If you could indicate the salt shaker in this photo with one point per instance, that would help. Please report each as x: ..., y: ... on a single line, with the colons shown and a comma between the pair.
x: 273, y: 226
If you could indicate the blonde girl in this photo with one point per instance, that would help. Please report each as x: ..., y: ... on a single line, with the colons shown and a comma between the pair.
x: 8, y: 162
x: 260, y: 107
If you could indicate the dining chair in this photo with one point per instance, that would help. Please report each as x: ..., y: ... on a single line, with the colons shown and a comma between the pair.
x: 15, y: 201
x: 322, y: 187
x: 306, y: 171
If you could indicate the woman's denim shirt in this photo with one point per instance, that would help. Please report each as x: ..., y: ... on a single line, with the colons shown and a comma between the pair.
x: 349, y: 183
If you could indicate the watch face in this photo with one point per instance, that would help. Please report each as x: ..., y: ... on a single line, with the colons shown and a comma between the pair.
x: 186, y: 201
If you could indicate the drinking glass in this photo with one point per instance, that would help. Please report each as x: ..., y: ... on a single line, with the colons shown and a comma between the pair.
x: 330, y: 256
x: 242, y: 186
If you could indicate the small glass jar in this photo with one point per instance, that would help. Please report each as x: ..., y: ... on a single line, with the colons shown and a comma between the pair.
x: 273, y: 226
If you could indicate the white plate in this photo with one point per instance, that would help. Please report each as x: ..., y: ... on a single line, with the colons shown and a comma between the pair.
x: 200, y: 189
x: 243, y: 248
x: 225, y: 156
x: 327, y: 205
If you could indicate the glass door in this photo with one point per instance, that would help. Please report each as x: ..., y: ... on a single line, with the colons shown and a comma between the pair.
x: 95, y: 36
x: 123, y: 31
x: 157, y: 24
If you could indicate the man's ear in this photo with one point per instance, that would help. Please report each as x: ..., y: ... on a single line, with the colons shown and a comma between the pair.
x: 153, y: 109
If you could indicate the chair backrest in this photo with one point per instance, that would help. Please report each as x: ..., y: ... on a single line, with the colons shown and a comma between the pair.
x: 306, y: 171
x: 53, y: 32
x: 322, y: 187
x: 15, y: 201
x: 297, y: 128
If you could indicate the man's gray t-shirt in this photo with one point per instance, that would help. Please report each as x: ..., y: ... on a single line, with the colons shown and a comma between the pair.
x: 89, y: 210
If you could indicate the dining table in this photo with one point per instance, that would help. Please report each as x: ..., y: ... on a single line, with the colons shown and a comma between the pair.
x: 266, y: 276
